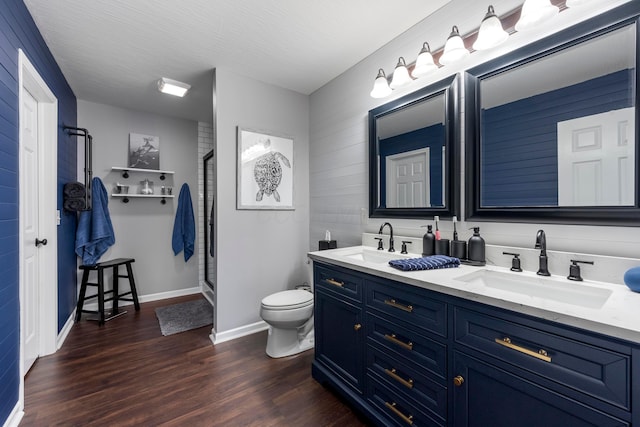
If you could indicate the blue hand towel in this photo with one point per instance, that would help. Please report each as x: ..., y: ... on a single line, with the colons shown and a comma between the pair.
x: 184, y: 226
x: 95, y: 233
x: 425, y: 263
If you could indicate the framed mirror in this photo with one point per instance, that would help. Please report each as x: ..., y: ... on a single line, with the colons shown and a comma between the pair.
x: 552, y: 129
x: 414, y: 154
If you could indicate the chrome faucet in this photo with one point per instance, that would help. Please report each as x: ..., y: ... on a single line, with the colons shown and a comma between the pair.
x: 541, y: 243
x: 391, y: 248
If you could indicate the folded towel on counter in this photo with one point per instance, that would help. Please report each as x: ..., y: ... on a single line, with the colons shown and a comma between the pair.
x: 74, y: 204
x: 74, y: 190
x: 184, y: 226
x: 95, y: 232
x: 425, y: 263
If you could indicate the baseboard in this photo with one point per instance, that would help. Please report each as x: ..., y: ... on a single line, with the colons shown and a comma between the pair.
x: 150, y: 297
x: 15, y: 416
x: 62, y: 335
x: 242, y: 331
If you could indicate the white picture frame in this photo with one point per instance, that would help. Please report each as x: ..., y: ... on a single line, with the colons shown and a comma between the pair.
x: 265, y: 170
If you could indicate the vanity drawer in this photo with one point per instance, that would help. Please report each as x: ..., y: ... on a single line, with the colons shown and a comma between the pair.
x: 407, y: 343
x: 338, y: 280
x: 416, y: 307
x: 406, y: 380
x: 398, y: 410
x: 596, y: 371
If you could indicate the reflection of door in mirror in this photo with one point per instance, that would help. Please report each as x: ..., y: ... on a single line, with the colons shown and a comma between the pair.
x: 595, y: 155
x: 408, y: 179
x: 537, y: 116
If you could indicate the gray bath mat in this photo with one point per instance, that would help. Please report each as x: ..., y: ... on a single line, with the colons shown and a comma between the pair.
x: 184, y: 316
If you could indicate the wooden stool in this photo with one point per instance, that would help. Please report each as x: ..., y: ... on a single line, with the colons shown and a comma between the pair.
x: 116, y: 295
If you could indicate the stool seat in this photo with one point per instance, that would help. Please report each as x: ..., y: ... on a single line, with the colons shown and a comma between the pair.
x: 115, y: 292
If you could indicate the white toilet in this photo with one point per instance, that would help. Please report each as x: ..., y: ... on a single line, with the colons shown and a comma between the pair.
x: 290, y: 318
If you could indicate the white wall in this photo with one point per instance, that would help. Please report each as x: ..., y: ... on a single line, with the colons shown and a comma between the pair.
x: 339, y: 144
x: 143, y: 227
x: 258, y: 252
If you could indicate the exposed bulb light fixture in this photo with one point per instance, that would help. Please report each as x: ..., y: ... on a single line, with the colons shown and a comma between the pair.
x: 491, y: 33
x: 535, y: 12
x: 424, y: 63
x: 454, y: 49
x: 380, y: 86
x: 401, y: 75
x: 173, y: 87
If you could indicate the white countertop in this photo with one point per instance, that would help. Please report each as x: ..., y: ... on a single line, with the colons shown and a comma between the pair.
x: 618, y: 317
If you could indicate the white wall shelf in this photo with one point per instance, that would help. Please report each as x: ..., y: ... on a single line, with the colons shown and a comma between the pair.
x: 125, y: 197
x: 126, y: 171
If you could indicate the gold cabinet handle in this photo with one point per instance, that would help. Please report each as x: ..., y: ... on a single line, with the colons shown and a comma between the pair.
x: 393, y: 339
x: 405, y: 418
x: 357, y: 327
x: 392, y: 373
x: 541, y: 354
x: 458, y: 381
x: 393, y: 303
x: 334, y: 282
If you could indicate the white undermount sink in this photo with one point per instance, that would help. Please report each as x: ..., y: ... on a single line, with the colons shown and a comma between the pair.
x: 373, y: 256
x: 549, y: 288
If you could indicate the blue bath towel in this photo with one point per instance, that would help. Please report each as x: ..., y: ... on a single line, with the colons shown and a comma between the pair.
x: 184, y: 226
x: 94, y: 234
x: 425, y: 263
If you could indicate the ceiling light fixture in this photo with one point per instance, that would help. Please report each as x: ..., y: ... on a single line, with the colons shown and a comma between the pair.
x: 491, y: 33
x: 401, y: 75
x: 454, y: 49
x: 173, y: 87
x: 535, y: 12
x: 424, y: 63
x: 380, y: 86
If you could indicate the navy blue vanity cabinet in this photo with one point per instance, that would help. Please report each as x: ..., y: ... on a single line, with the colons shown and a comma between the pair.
x: 339, y: 331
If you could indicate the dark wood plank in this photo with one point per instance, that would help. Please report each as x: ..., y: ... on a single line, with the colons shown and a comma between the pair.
x: 126, y: 373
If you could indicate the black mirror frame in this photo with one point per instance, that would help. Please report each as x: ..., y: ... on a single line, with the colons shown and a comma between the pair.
x: 450, y: 88
x: 599, y: 215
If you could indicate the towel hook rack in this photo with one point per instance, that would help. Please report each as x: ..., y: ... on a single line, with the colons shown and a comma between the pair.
x: 88, y: 159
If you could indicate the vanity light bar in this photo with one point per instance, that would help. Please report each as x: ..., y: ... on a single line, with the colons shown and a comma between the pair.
x: 508, y: 21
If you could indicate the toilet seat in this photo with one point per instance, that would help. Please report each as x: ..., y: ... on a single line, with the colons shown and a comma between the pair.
x: 288, y: 300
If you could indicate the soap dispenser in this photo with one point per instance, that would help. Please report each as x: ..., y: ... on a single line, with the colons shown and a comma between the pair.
x: 476, y: 248
x: 428, y: 242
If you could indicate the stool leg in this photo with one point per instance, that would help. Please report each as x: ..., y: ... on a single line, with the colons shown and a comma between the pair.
x: 132, y: 283
x: 116, y: 292
x: 101, y: 295
x: 83, y: 292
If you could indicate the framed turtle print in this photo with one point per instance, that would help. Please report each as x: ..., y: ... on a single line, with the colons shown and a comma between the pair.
x: 265, y: 170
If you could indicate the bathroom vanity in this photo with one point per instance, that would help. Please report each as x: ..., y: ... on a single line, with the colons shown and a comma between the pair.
x: 445, y: 348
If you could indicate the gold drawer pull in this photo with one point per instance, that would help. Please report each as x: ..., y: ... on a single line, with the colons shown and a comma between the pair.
x: 393, y: 303
x: 541, y: 354
x: 406, y: 419
x: 334, y: 282
x: 458, y: 381
x: 392, y: 373
x: 357, y: 327
x: 393, y: 339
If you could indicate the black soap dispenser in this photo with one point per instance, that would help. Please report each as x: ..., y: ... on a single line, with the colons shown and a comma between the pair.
x: 428, y: 242
x: 476, y: 248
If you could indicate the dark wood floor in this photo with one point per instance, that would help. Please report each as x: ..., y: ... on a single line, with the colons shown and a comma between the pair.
x: 127, y: 374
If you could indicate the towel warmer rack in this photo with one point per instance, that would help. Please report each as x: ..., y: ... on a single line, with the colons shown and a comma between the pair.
x: 88, y: 159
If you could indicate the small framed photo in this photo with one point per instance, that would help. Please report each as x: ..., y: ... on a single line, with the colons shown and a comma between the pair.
x: 265, y: 170
x: 144, y: 151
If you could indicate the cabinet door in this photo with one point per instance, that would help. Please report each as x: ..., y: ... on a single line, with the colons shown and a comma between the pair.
x: 339, y: 336
x: 485, y: 395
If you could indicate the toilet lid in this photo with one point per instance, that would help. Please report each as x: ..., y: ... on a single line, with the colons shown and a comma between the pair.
x: 288, y: 299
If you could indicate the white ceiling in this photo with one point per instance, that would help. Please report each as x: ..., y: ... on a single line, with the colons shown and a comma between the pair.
x: 114, y: 51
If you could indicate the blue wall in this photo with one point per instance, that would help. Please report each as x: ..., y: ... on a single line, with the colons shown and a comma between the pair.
x: 17, y: 30
x: 519, y: 140
x: 432, y: 137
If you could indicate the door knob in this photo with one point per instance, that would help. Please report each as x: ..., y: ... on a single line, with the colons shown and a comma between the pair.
x: 41, y: 242
x: 458, y: 381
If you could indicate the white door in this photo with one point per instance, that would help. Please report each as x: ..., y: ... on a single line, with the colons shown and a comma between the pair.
x: 29, y: 187
x: 595, y: 159
x: 408, y: 184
